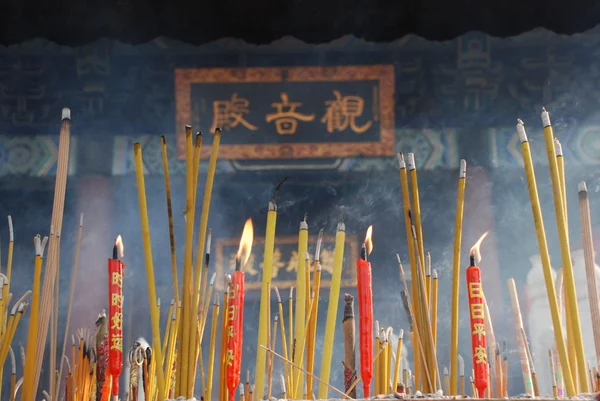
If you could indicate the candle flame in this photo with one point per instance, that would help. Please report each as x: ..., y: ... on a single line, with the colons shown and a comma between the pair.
x: 368, y: 242
x: 245, y: 248
x: 475, y: 249
x: 119, y: 244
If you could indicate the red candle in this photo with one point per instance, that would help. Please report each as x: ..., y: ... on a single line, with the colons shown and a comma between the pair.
x: 115, y: 316
x: 235, y: 312
x: 365, y: 313
x: 476, y: 312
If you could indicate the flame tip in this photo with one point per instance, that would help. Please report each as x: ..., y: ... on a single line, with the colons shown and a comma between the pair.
x: 368, y: 240
x: 119, y: 244
x: 245, y: 248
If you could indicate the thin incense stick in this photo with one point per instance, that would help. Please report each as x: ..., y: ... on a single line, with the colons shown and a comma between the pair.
x: 139, y: 170
x: 332, y: 309
x: 304, y: 371
x: 590, y: 267
x: 165, y: 159
x: 460, y: 203
x: 563, y: 235
x: 412, y: 258
x: 208, y: 188
x: 71, y: 295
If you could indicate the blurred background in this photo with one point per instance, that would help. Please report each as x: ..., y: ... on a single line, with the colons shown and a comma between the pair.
x: 329, y: 109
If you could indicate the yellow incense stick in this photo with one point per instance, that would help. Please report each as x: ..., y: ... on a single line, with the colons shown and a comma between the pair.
x: 213, y: 346
x: 183, y: 354
x: 291, y: 339
x: 332, y: 309
x: 139, y: 170
x: 283, y: 337
x: 567, y: 263
x: 434, y: 308
x: 413, y: 264
x: 210, y: 177
x: 543, y: 247
x: 301, y: 299
x: 35, y: 305
x: 458, y: 223
x: 398, y: 361
x: 261, y: 354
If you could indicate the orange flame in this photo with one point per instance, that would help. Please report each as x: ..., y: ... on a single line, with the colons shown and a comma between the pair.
x: 245, y: 248
x: 475, y: 249
x: 119, y: 244
x: 368, y: 241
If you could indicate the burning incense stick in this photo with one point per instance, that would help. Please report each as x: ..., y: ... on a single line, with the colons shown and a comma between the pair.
x: 570, y: 291
x: 334, y: 295
x: 590, y: 269
x: 210, y: 177
x: 263, y: 324
x: 312, y: 335
x: 543, y: 247
x: 139, y: 164
x: 349, y: 362
x: 460, y: 203
x: 301, y: 300
x: 411, y: 254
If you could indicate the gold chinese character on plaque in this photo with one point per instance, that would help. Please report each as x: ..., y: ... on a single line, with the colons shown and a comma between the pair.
x: 327, y: 260
x: 278, y: 263
x: 286, y: 117
x: 342, y: 113
x: 292, y: 262
x: 229, y: 114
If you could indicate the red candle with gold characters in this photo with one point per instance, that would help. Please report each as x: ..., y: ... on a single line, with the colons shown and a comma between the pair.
x: 476, y: 312
x: 235, y: 312
x: 115, y: 316
x: 365, y: 313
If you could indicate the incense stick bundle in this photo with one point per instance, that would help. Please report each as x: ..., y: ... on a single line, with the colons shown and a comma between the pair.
x: 543, y: 247
x: 52, y: 263
x: 563, y: 235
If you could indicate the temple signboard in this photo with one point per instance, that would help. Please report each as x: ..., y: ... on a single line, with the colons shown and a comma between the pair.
x: 285, y: 261
x: 289, y: 113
